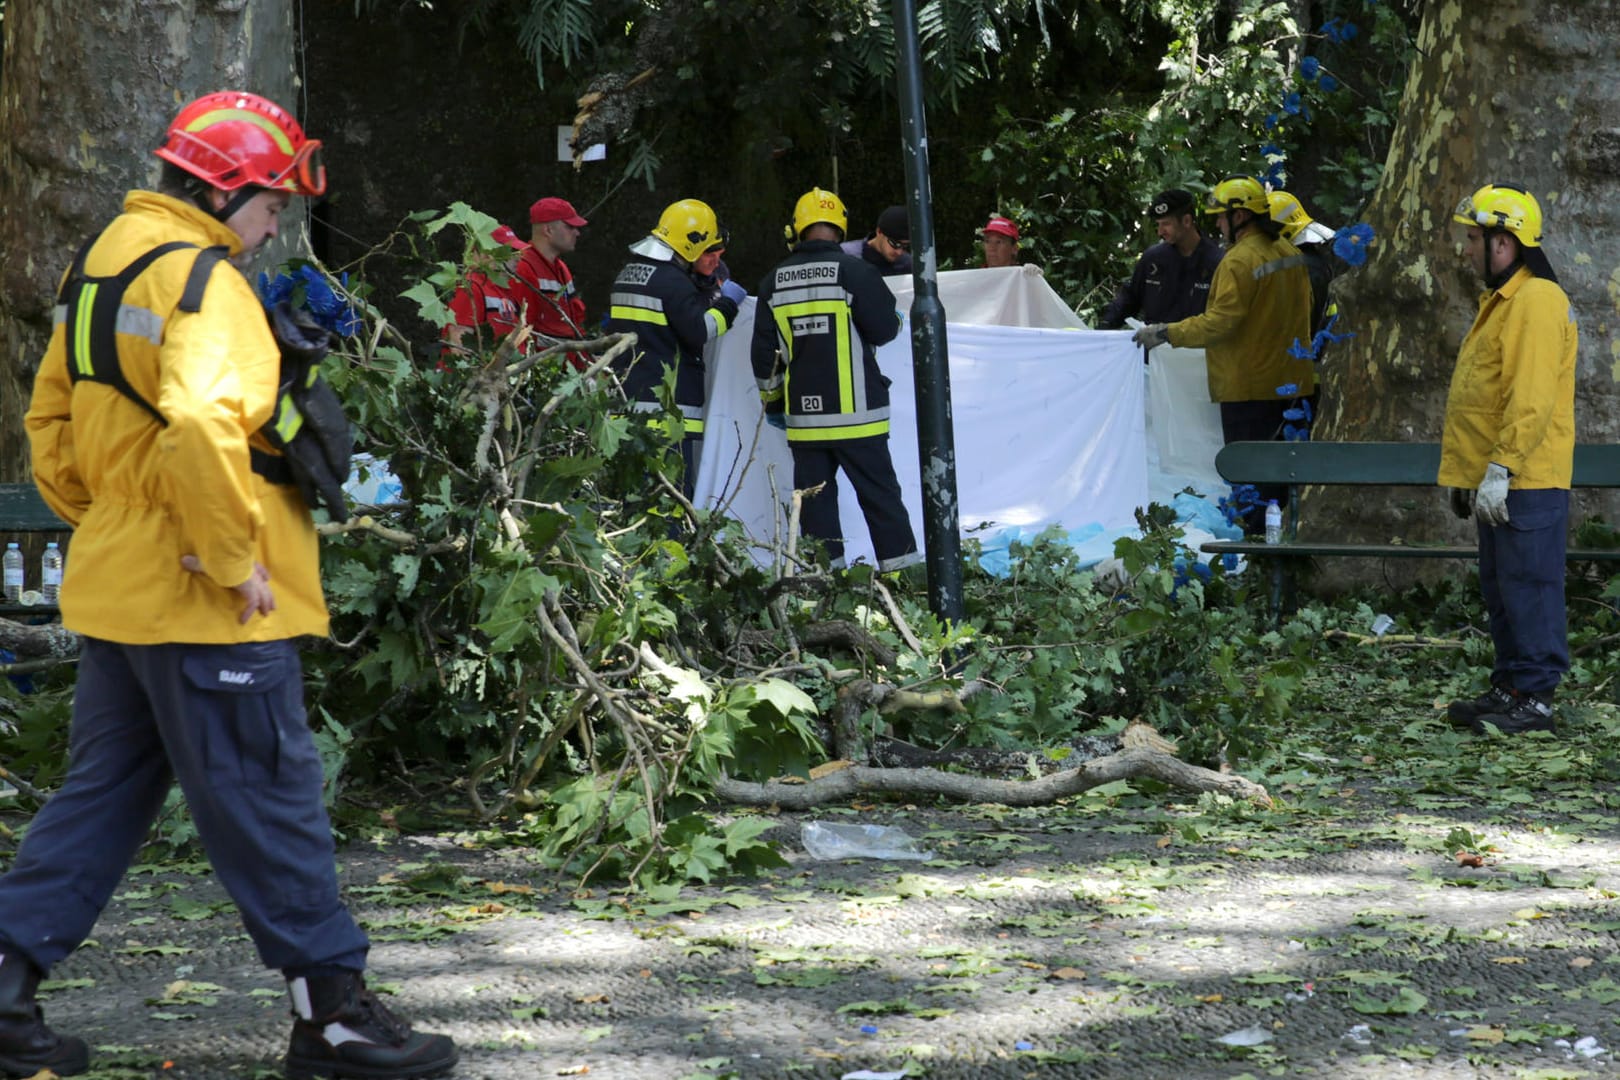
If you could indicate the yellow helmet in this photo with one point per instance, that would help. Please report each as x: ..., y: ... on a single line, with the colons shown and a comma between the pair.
x: 688, y: 226
x: 818, y: 206
x: 1499, y: 206
x: 1239, y: 193
x: 1288, y: 212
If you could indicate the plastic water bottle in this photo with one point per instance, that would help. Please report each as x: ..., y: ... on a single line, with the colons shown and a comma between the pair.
x: 50, y: 572
x: 1273, y: 522
x: 13, y: 573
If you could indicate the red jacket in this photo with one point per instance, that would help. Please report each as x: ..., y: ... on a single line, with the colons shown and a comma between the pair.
x: 544, y: 293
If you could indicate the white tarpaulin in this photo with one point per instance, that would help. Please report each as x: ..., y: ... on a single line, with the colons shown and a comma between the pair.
x: 1049, y: 423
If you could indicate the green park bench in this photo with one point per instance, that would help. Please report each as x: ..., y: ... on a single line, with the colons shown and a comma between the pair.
x: 23, y: 511
x: 1371, y: 464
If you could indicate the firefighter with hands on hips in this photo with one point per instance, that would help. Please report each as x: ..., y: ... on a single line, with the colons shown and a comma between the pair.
x: 1507, y: 454
x: 195, y: 570
x: 820, y: 318
x: 656, y: 297
x: 1259, y: 305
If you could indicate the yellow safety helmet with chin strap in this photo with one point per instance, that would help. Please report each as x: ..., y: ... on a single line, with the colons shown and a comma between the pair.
x: 1239, y: 193
x: 1289, y: 212
x: 689, y: 227
x: 1501, y: 206
x: 819, y: 207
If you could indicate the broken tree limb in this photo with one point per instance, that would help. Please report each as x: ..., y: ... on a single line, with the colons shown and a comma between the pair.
x: 1128, y: 764
x: 48, y: 641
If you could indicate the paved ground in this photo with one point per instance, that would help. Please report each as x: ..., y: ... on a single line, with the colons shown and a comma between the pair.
x: 1074, y: 942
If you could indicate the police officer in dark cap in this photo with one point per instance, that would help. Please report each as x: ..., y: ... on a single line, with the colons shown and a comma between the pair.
x: 1172, y: 277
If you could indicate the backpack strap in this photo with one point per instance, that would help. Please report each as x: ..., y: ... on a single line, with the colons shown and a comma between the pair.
x: 94, y: 308
x: 197, y: 282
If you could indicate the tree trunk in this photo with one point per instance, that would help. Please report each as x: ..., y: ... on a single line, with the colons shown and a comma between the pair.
x: 85, y: 93
x: 1523, y: 92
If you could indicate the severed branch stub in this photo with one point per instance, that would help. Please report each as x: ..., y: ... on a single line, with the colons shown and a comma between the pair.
x: 1142, y: 753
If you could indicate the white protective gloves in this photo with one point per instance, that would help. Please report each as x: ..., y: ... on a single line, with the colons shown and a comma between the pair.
x: 1490, y: 504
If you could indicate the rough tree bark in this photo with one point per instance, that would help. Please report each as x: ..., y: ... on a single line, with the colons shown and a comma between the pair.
x: 84, y: 95
x: 1530, y: 101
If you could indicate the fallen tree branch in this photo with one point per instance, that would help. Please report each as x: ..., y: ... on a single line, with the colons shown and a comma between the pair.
x: 842, y: 632
x: 1128, y: 764
x: 45, y: 641
x: 1388, y: 641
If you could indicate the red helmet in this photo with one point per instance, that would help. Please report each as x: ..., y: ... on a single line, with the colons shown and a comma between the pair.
x: 232, y: 139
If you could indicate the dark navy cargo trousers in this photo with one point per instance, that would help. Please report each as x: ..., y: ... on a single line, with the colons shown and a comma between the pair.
x: 870, y: 469
x: 228, y: 723
x: 1521, y: 575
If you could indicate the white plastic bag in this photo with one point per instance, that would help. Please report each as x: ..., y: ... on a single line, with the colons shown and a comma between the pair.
x: 825, y: 840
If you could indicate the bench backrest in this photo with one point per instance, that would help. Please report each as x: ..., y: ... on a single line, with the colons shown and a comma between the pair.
x: 1385, y: 464
x: 22, y: 510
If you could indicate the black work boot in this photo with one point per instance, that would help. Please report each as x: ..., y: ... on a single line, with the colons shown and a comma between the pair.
x: 1498, y: 699
x: 340, y: 1029
x: 1528, y: 712
x: 27, y: 1046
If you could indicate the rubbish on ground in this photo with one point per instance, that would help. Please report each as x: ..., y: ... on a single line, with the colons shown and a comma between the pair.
x: 1381, y: 625
x: 829, y: 840
x: 1586, y: 1046
x: 1361, y: 1035
x: 868, y: 1029
x: 868, y: 1074
x: 1249, y: 1036
x: 1023, y: 1044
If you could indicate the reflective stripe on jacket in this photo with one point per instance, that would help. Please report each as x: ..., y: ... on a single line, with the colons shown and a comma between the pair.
x: 672, y: 320
x: 1512, y: 397
x: 1259, y: 305
x: 139, y: 494
x: 544, y: 292
x: 824, y: 312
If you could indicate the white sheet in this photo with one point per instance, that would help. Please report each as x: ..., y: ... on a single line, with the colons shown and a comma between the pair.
x: 1049, y: 423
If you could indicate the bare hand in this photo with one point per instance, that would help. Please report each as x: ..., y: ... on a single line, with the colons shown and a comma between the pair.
x: 255, y: 591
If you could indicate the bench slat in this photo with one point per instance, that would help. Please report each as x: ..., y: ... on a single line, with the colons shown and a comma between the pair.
x: 22, y: 510
x: 1380, y: 551
x: 1378, y: 463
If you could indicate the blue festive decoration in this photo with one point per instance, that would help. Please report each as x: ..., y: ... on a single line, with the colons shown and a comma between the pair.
x: 1309, y: 68
x: 307, y: 287
x: 1234, y: 507
x: 1328, y: 83
x: 1339, y: 31
x: 1350, y: 243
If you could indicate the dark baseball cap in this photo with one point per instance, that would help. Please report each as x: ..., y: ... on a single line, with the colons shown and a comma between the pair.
x: 894, y: 223
x: 1172, y: 203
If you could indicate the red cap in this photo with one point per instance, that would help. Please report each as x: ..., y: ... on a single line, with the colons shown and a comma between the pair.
x: 1004, y: 227
x: 503, y: 234
x: 552, y: 208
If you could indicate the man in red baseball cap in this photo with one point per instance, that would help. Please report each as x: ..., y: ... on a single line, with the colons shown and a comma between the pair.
x: 1000, y: 239
x: 542, y: 284
x: 480, y: 302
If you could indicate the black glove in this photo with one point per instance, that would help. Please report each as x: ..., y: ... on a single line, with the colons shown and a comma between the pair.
x: 1462, y: 502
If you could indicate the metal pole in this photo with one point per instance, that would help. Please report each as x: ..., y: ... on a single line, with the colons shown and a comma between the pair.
x: 936, y: 443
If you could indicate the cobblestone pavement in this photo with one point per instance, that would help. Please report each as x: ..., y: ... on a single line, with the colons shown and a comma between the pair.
x: 1052, y: 943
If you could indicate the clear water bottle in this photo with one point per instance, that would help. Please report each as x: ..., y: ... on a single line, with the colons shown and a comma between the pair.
x: 50, y: 572
x: 1273, y: 522
x: 13, y: 573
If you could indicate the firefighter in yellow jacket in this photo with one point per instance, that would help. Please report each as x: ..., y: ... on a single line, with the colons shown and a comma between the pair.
x: 192, y: 571
x: 1508, y: 453
x: 1259, y: 306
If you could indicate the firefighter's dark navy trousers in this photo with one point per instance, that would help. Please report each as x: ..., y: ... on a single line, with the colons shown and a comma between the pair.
x: 871, y: 472
x: 227, y: 722
x: 1521, y: 576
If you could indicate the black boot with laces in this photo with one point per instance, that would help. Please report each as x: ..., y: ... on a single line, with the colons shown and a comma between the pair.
x: 27, y: 1046
x: 1528, y: 712
x: 340, y: 1029
x: 1497, y: 699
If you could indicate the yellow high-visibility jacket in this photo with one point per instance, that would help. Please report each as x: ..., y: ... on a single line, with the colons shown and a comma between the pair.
x: 141, y: 494
x: 1259, y: 305
x: 1512, y: 397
